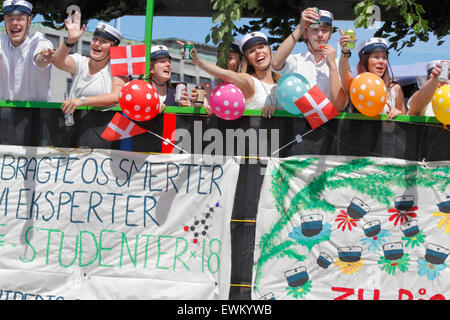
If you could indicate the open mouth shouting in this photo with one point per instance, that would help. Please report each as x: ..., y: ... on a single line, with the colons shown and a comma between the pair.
x: 16, y: 33
x: 166, y: 71
x: 96, y: 51
x: 380, y: 70
x: 260, y: 59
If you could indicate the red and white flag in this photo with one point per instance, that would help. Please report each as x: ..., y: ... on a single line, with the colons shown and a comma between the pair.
x: 120, y: 128
x: 316, y: 107
x: 128, y: 60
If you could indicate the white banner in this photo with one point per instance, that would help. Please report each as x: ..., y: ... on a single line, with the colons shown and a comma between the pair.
x: 107, y: 224
x: 353, y: 228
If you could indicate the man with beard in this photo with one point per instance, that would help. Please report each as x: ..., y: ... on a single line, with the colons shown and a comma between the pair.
x: 318, y: 65
x: 24, y: 63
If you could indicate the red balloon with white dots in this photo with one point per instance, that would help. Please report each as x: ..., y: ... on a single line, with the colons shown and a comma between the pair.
x: 139, y: 100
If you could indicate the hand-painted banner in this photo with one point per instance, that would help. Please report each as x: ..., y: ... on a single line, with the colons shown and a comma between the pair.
x: 353, y: 228
x: 107, y: 224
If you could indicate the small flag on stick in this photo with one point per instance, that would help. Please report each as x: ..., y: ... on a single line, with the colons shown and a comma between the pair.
x: 316, y: 107
x: 120, y: 128
x: 127, y: 60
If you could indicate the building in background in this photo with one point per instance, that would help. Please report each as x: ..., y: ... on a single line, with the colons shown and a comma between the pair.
x: 182, y: 71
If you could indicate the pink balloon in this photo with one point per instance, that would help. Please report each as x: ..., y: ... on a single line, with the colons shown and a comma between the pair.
x: 139, y: 100
x: 227, y: 101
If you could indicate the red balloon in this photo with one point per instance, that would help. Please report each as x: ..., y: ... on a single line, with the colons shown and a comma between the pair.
x: 139, y: 100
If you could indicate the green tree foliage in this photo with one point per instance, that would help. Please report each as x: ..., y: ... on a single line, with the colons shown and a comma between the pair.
x: 405, y: 21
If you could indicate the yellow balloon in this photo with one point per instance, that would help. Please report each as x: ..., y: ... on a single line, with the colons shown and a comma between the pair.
x: 441, y: 104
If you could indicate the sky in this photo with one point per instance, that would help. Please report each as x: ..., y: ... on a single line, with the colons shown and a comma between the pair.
x: 195, y: 29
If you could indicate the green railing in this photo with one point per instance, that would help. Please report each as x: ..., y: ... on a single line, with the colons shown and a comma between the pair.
x: 201, y: 111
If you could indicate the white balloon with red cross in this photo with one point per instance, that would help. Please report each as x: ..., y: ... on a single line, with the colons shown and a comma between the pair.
x: 139, y: 100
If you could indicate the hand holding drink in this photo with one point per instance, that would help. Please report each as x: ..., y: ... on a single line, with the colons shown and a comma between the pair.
x: 351, y: 42
x: 309, y: 17
x: 200, y: 96
x: 316, y: 24
x: 188, y: 52
x: 347, y: 40
x: 68, y: 115
x: 443, y: 76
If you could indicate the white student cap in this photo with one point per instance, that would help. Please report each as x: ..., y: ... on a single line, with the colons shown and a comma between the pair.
x: 107, y: 32
x: 234, y: 46
x: 326, y: 18
x: 17, y: 7
x: 251, y: 39
x: 159, y: 51
x: 372, y: 45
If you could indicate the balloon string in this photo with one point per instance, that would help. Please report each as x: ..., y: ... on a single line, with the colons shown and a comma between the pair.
x: 167, y: 141
x: 363, y: 150
x: 297, y: 139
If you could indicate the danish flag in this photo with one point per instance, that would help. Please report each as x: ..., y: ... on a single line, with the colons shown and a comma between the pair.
x: 316, y: 107
x: 121, y: 127
x: 128, y: 60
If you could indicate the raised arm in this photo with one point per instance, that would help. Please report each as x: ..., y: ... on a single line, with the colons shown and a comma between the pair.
x: 61, y: 58
x: 344, y: 68
x: 423, y: 96
x: 241, y: 80
x: 337, y: 96
x: 308, y: 16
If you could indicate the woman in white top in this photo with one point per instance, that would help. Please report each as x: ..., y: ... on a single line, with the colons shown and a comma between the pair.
x: 256, y: 81
x: 373, y: 57
x: 420, y: 102
x: 92, y: 84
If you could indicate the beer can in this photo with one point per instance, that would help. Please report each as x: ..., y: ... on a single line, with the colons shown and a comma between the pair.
x: 351, y: 44
x: 188, y: 51
x: 317, y: 23
x: 318, y: 14
x: 200, y: 95
x: 443, y: 76
x: 180, y: 88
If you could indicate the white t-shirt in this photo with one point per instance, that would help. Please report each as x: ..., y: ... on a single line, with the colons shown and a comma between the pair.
x: 20, y: 77
x: 305, y: 64
x: 85, y: 84
x: 427, y: 111
x: 265, y: 95
x: 390, y: 99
